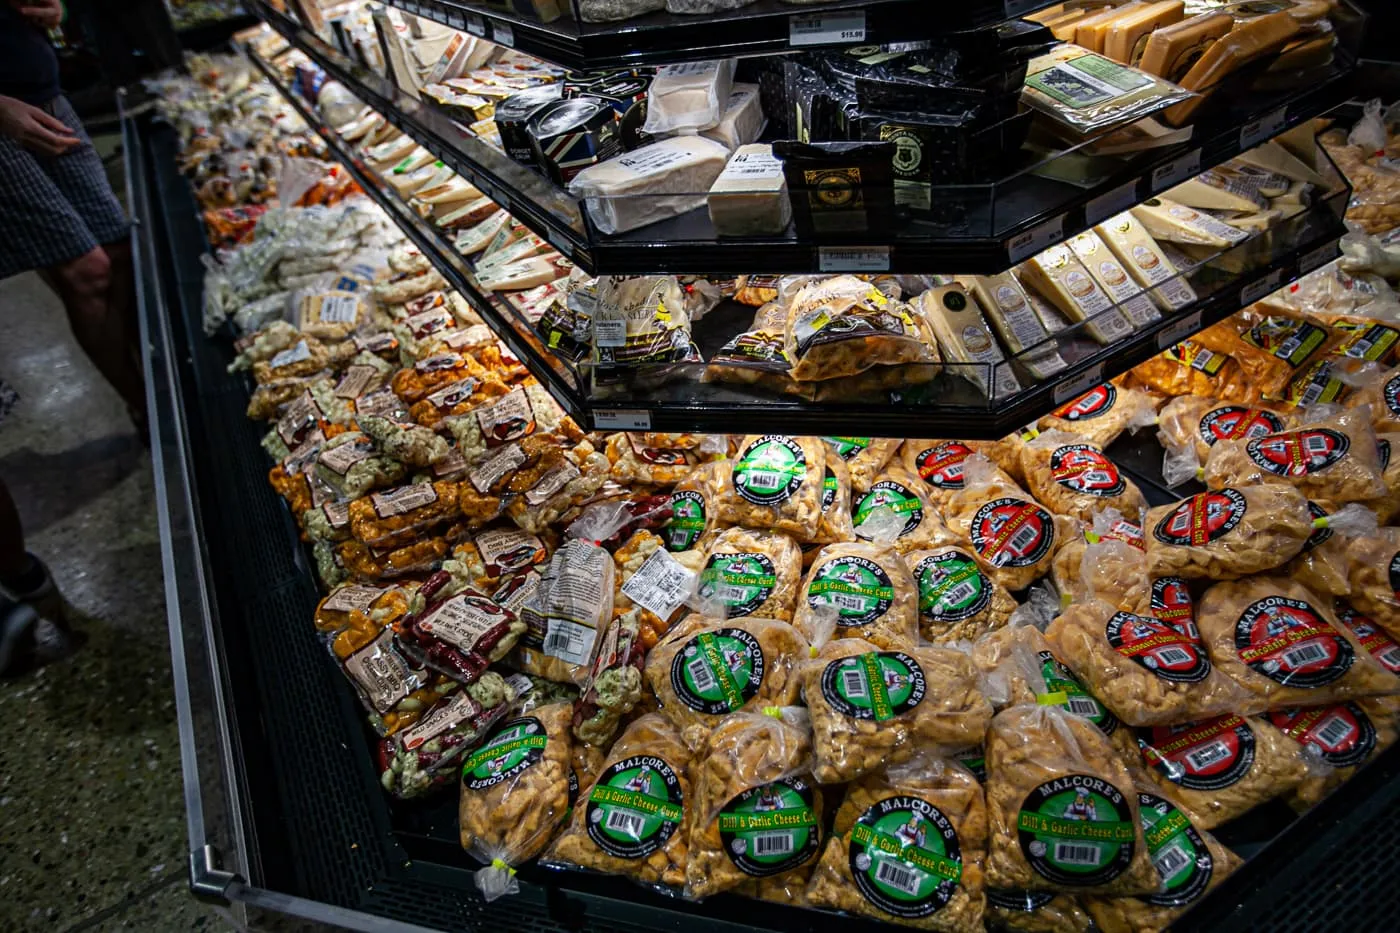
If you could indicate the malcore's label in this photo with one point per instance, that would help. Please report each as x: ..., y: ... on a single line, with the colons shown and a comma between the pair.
x: 1092, y: 404
x: 1058, y: 679
x: 718, y: 672
x: 1290, y: 642
x: 1160, y: 648
x: 1011, y: 532
x: 635, y: 807
x: 1206, y: 517
x: 1298, y: 453
x: 1178, y: 852
x: 688, y: 519
x: 1235, y: 422
x: 905, y: 857
x: 952, y: 588
x: 513, y: 748
x: 858, y: 588
x: 1343, y: 735
x: 1207, y: 755
x: 771, y: 829
x: 1083, y: 468
x: 743, y: 581
x: 942, y: 465
x: 876, y: 686
x: 1077, y: 830
x: 770, y: 470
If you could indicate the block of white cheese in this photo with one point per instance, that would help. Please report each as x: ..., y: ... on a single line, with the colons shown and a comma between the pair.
x: 964, y: 338
x: 1005, y: 305
x: 472, y: 241
x: 1104, y: 266
x: 688, y: 97
x: 1169, y: 220
x: 750, y: 196
x: 1217, y: 191
x: 1272, y: 157
x: 525, y: 273
x: 1060, y: 277
x: 1145, y: 261
x: 656, y: 182
x: 742, y: 121
x: 453, y: 191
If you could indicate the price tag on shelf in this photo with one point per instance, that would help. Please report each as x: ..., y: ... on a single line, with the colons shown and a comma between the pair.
x: 455, y: 19
x: 1263, y: 129
x: 1036, y: 239
x: 1177, y: 331
x: 1021, y: 7
x: 826, y: 28
x: 502, y: 34
x: 1318, y: 257
x: 622, y: 420
x: 1262, y: 288
x: 1079, y: 384
x: 1176, y: 171
x: 853, y: 259
x: 1113, y: 202
x: 476, y: 25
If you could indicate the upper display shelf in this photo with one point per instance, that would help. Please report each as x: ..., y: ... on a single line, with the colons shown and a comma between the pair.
x: 1030, y: 187
x: 651, y: 37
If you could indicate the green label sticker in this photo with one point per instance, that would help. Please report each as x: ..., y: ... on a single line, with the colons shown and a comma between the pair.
x: 635, y: 807
x: 1077, y: 830
x: 718, y: 672
x: 741, y: 581
x: 894, y: 496
x: 1058, y: 679
x: 847, y: 447
x: 830, y: 486
x: 513, y: 748
x: 858, y: 588
x: 874, y: 686
x: 688, y: 520
x: 905, y: 857
x: 952, y: 588
x: 974, y: 760
x: 770, y: 470
x: 771, y: 829
x: 1178, y: 853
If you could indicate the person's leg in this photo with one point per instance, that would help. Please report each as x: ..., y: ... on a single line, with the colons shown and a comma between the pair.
x: 17, y: 567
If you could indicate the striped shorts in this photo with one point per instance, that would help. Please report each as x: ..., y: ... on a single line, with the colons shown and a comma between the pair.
x: 54, y: 208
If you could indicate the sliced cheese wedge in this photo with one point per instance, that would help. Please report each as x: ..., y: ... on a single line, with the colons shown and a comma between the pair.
x: 1004, y: 305
x: 524, y: 248
x: 1170, y: 52
x: 1145, y: 261
x: 1217, y: 191
x: 1272, y: 157
x: 454, y: 190
x: 386, y: 155
x: 470, y: 242
x: 1245, y: 43
x: 469, y: 214
x: 1061, y: 278
x: 1135, y: 303
x: 412, y: 162
x: 1256, y: 223
x: 1090, y: 32
x: 1168, y: 220
x: 1129, y: 33
x: 963, y: 337
x: 525, y: 273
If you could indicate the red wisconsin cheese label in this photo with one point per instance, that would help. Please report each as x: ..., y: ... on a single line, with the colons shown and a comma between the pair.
x: 1127, y: 532
x: 1298, y: 453
x: 1201, y: 519
x: 942, y: 465
x: 1289, y: 641
x: 1159, y: 647
x: 1172, y: 603
x: 1233, y: 422
x: 1083, y: 468
x: 1342, y: 734
x: 1376, y: 642
x: 1092, y: 404
x: 1205, y: 755
x: 1011, y: 532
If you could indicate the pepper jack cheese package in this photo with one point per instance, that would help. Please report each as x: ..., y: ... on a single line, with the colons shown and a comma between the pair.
x: 1127, y: 36
x: 750, y: 196
x: 963, y: 337
x: 656, y: 182
x: 1059, y: 275
x: 1145, y: 261
x: 1135, y: 304
x: 1172, y: 50
x: 1006, y: 306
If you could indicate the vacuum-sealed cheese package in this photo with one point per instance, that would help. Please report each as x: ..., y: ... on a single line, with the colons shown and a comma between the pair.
x: 688, y: 97
x: 775, y: 483
x: 1085, y: 92
x: 398, y: 516
x: 751, y: 573
x: 1072, y: 477
x: 634, y: 462
x: 957, y: 599
x: 460, y: 635
x: 1227, y: 533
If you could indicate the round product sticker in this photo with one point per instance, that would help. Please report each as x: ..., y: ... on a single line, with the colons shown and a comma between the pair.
x: 905, y: 857
x: 1344, y: 735
x: 1082, y: 468
x: 1092, y: 404
x: 718, y: 672
x: 1077, y: 830
x: 1205, y: 755
x: 847, y: 447
x: 951, y: 587
x: 859, y: 589
x: 1159, y: 647
x: 942, y: 465
x: 1012, y: 532
x: 1289, y: 641
x: 1177, y: 850
x: 1298, y: 453
x: 635, y: 807
x: 1395, y: 574
x: 894, y: 496
x: 1233, y: 422
x: 1320, y: 535
x: 830, y: 485
x: 770, y: 471
x: 1201, y: 519
x: 1392, y: 396
x: 1172, y: 603
x: 687, y: 520
x: 770, y: 829
x: 513, y: 748
x: 1380, y: 645
x: 875, y: 686
x: 1058, y: 679
x: 742, y: 581
x: 1024, y: 901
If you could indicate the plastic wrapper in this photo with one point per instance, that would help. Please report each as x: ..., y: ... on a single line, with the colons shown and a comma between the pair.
x: 1062, y: 810
x: 633, y: 462
x: 775, y: 483
x: 871, y: 708
x: 1085, y: 93
x: 382, y: 676
x: 574, y: 606
x: 370, y: 564
x: 398, y: 516
x: 898, y: 491
x: 1343, y: 737
x: 865, y: 457
x: 957, y: 599
x: 870, y: 591
x: 492, y: 557
x: 1227, y: 533
x: 751, y: 573
x: 353, y: 616
x: 1284, y: 645
x: 1035, y: 912
x: 1188, y: 368
x: 939, y: 464
x: 304, y: 358
x: 688, y: 97
x: 1374, y: 577
x: 499, y: 420
x: 616, y: 516
x: 515, y: 793
x: 455, y: 399
x: 1145, y: 670
x: 641, y: 320
x: 459, y: 635
x: 1387, y: 507
x: 1013, y: 537
x: 844, y: 325
x: 433, y: 373
x: 907, y: 848
x: 835, y: 526
x: 1102, y: 414
x: 269, y: 398
x: 1333, y: 460
x: 1193, y: 425
x: 564, y: 479
x: 1072, y: 477
x: 410, y: 444
x: 1325, y: 564
x: 757, y: 812
x: 1107, y: 562
x: 1223, y: 767
x: 634, y: 820
x: 707, y: 669
x: 659, y: 583
x: 351, y: 465
x: 1381, y: 393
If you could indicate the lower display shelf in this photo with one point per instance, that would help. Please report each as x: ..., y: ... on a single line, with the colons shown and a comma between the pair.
x: 285, y: 811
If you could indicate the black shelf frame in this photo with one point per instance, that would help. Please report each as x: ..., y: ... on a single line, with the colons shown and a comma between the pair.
x: 1045, y: 211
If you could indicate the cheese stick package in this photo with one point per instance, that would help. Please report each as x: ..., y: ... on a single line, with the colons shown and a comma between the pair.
x: 1085, y: 93
x: 1102, y: 414
x: 775, y: 482
x: 1013, y: 537
x: 1227, y: 533
x: 1074, y: 478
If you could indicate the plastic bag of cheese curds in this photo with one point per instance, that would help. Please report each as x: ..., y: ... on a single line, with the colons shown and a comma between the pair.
x: 1326, y: 562
x: 1035, y: 912
x: 1108, y: 562
x: 1102, y: 414
x: 1228, y: 532
x: 1189, y: 426
x: 1013, y: 536
x: 1072, y: 476
x: 1344, y: 737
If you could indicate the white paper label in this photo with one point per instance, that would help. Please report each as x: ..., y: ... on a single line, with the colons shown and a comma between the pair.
x: 1176, y: 171
x: 403, y: 500
x: 661, y: 585
x: 1079, y: 384
x: 476, y: 26
x: 1263, y: 129
x: 622, y: 420
x: 1262, y: 288
x: 297, y: 354
x: 826, y: 28
x: 352, y: 598
x: 609, y: 332
x: 339, y: 309
x: 498, y: 465
x: 1113, y: 202
x: 464, y: 620
x: 853, y: 259
x: 1178, y: 331
x: 448, y: 715
x: 1036, y: 239
x: 502, y: 34
x: 1318, y: 257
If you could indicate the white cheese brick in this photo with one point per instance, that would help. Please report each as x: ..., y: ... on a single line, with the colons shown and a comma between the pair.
x: 688, y: 97
x: 388, y: 154
x: 1061, y: 278
x: 750, y: 196
x: 525, y: 273
x: 1272, y: 157
x: 523, y: 248
x: 1168, y: 220
x: 1145, y: 261
x: 1005, y: 305
x: 1217, y: 191
x: 469, y: 214
x: 470, y: 242
x: 743, y: 118
x: 453, y: 191
x: 963, y: 337
x: 1256, y: 223
x: 1104, y: 266
x: 662, y: 180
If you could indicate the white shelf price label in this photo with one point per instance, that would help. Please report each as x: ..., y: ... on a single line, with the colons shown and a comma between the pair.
x: 476, y: 26
x: 853, y: 259
x: 826, y: 28
x: 1079, y: 384
x: 1036, y: 239
x: 455, y: 19
x: 1263, y: 129
x: 502, y: 34
x: 622, y: 420
x: 1113, y: 202
x: 1318, y: 257
x: 1262, y: 288
x: 1177, y: 331
x: 1176, y: 171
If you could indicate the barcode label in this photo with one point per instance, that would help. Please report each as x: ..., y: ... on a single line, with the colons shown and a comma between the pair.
x: 569, y: 641
x: 661, y: 585
x: 847, y: 602
x: 626, y: 822
x: 1202, y: 361
x: 701, y: 675
x: 1390, y: 657
x: 1024, y: 537
x: 1317, y: 446
x: 1262, y: 288
x: 1207, y: 755
x: 1083, y: 706
x: 853, y: 683
x: 826, y: 29
x: 960, y: 593
x: 1036, y: 239
x: 1073, y: 854
x: 339, y: 309
x: 767, y: 480
x: 1176, y: 171
x: 1263, y: 129
x: 1174, y: 333
x: 731, y: 594
x: 1172, y: 655
x: 502, y: 34
x: 897, y: 876
x: 778, y: 843
x: 853, y: 259
x: 1334, y: 730
x: 1170, y: 861
x: 1299, y: 655
x: 1314, y: 392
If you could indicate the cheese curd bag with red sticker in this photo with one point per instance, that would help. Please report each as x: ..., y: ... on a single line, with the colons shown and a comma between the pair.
x: 1013, y: 537
x: 1102, y: 414
x: 1072, y: 477
x: 939, y: 465
x: 1189, y: 426
x: 1344, y: 736
x: 1107, y: 562
x: 1227, y: 533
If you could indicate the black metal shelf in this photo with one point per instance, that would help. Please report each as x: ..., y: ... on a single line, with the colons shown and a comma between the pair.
x: 996, y: 225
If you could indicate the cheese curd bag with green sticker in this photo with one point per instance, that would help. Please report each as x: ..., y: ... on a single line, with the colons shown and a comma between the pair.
x: 835, y: 526
x: 750, y: 573
x: 908, y: 847
x: 516, y: 790
x: 633, y: 820
x: 693, y: 507
x: 864, y: 456
x: 775, y: 483
x: 758, y: 812
x: 901, y: 492
x: 869, y: 589
x: 957, y: 600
